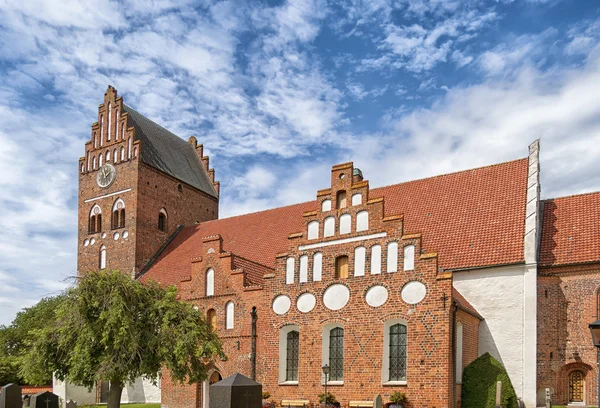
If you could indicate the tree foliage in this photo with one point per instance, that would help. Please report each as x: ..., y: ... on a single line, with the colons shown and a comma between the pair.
x: 115, y: 329
x: 479, y: 384
x: 17, y: 339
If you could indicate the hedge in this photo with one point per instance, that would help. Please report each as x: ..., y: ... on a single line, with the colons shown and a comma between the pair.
x: 479, y: 384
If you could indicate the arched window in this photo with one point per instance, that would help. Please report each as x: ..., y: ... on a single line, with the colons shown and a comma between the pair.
x: 292, y: 354
x: 118, y: 214
x: 101, y: 130
x: 162, y: 219
x: 326, y: 205
x: 89, y: 163
x: 357, y: 199
x: 409, y: 257
x: 336, y: 354
x: 100, y: 160
x: 123, y: 131
x: 341, y: 267
x: 82, y: 168
x: 304, y: 268
x: 135, y: 150
x: 317, y: 266
x: 102, y: 262
x: 107, y: 156
x: 115, y: 157
x: 576, y: 387
x: 329, y: 227
x: 229, y: 315
x: 397, y: 352
x: 375, y: 259
x: 95, y: 138
x: 345, y: 224
x: 95, y: 219
x: 109, y: 122
x: 210, y: 282
x: 340, y: 200
x: 122, y: 153
x: 359, y: 261
x: 362, y: 221
x: 392, y: 257
x: 211, y: 317
x: 289, y: 271
x: 313, y: 230
x: 94, y: 163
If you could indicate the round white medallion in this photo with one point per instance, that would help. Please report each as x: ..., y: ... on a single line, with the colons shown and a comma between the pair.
x: 125, y: 234
x: 103, y: 235
x: 376, y: 296
x: 116, y: 236
x: 92, y: 241
x: 281, y: 304
x: 413, y: 292
x: 86, y: 242
x: 306, y: 302
x: 336, y: 296
x: 195, y: 307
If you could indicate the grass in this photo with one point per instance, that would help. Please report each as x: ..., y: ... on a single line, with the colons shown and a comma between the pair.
x: 125, y: 405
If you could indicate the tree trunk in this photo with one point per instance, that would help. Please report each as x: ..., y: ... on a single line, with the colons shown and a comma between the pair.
x: 114, y: 394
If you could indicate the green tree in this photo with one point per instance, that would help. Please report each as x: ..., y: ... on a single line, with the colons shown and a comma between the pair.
x: 115, y: 329
x: 17, y: 338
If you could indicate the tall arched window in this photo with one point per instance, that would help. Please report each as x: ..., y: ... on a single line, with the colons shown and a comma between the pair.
x: 392, y: 257
x: 345, y: 224
x: 211, y: 317
x: 340, y: 201
x: 115, y: 156
x: 100, y: 160
x: 326, y: 205
x: 397, y: 352
x: 336, y: 354
x: 357, y: 199
x: 107, y: 155
x: 162, y: 219
x: 118, y: 214
x: 94, y: 163
x: 129, y: 148
x: 89, y: 163
x: 313, y: 230
x: 362, y: 221
x: 289, y: 271
x: 292, y: 354
x: 109, y: 121
x: 229, y: 315
x: 329, y: 227
x: 359, y: 261
x: 409, y: 257
x: 95, y: 220
x: 102, y: 261
x: 304, y: 268
x: 122, y: 153
x: 210, y: 282
x: 317, y: 266
x: 341, y: 267
x: 101, y: 130
x: 375, y: 259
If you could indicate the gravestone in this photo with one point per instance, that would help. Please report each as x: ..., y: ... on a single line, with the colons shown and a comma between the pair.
x: 71, y: 404
x: 377, y: 403
x: 236, y: 391
x: 44, y: 400
x: 11, y: 396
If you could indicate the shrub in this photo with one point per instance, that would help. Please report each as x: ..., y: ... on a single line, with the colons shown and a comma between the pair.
x: 266, y: 395
x: 479, y: 384
x: 398, y: 398
x: 330, y: 398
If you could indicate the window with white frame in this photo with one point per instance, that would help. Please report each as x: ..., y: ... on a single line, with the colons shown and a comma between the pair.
x: 362, y: 221
x: 329, y: 227
x: 326, y: 205
x: 392, y: 257
x: 229, y: 315
x: 102, y: 260
x: 357, y: 199
x: 289, y: 271
x: 409, y: 257
x: 395, y: 350
x: 333, y: 352
x: 317, y: 267
x: 304, y: 268
x: 345, y: 224
x: 210, y: 282
x: 289, y: 354
x: 313, y: 230
x: 375, y: 259
x: 359, y: 261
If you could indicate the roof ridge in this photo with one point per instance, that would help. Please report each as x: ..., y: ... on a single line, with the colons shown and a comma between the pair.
x: 571, y: 196
x: 127, y: 107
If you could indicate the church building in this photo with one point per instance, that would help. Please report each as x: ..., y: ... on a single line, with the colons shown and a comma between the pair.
x: 394, y: 288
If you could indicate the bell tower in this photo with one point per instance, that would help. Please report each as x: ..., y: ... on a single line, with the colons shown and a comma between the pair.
x: 139, y: 186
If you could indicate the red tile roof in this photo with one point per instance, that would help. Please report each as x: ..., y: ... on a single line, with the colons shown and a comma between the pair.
x: 471, y: 218
x: 464, y: 304
x: 571, y: 230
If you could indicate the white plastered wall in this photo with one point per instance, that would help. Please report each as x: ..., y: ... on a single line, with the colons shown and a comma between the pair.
x: 141, y: 391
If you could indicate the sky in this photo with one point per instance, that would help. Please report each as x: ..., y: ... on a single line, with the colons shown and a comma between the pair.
x: 278, y: 92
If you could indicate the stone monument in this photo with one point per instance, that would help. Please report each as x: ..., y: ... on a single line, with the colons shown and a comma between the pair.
x: 11, y: 396
x: 236, y: 391
x: 44, y: 399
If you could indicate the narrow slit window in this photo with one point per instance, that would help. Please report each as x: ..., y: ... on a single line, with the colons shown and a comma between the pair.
x: 392, y: 257
x: 341, y: 267
x: 341, y: 199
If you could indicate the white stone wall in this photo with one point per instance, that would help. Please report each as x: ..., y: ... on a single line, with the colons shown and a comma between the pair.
x: 141, y: 391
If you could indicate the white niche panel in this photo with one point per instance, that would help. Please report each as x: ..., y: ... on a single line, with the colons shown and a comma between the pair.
x: 306, y: 302
x: 413, y: 292
x: 336, y: 296
x: 376, y: 296
x: 281, y: 304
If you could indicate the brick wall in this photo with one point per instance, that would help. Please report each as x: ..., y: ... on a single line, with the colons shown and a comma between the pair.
x: 470, y: 346
x: 566, y: 305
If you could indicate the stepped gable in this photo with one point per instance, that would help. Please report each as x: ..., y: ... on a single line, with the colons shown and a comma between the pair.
x: 169, y: 153
x: 472, y: 218
x: 570, y: 230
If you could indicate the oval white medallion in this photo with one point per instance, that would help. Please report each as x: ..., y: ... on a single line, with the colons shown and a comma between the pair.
x: 413, y: 292
x: 281, y: 304
x: 86, y: 242
x: 125, y: 234
x: 376, y: 296
x: 92, y: 241
x: 306, y: 302
x: 103, y: 235
x: 116, y: 236
x: 336, y: 296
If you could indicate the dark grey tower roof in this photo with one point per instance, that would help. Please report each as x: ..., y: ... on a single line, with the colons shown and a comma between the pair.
x: 169, y: 153
x: 235, y: 380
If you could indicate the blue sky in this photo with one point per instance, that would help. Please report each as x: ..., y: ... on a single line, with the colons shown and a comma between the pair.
x: 278, y: 91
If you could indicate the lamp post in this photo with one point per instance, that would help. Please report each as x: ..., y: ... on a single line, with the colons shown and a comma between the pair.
x: 326, y: 372
x: 595, y: 329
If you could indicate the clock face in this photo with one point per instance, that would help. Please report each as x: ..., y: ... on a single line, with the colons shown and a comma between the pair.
x: 106, y: 175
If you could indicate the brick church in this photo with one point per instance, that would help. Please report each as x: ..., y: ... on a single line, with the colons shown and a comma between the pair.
x: 395, y: 288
